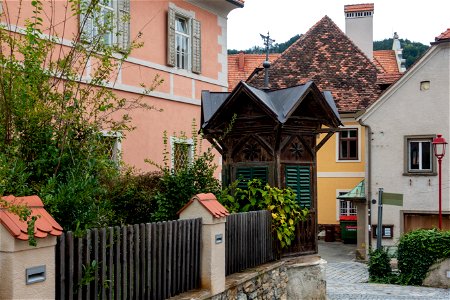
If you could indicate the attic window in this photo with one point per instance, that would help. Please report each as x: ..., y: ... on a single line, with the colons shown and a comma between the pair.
x: 424, y: 85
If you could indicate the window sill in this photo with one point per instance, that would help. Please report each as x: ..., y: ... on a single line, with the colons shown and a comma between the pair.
x: 421, y: 174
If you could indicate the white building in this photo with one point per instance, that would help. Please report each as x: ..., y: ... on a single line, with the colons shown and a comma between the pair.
x: 401, y: 126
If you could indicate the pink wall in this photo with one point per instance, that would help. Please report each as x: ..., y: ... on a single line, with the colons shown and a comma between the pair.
x: 179, y: 94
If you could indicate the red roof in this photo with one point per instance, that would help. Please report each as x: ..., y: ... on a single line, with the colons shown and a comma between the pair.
x: 209, y: 201
x: 359, y: 7
x: 241, y: 66
x: 44, y: 225
x: 385, y: 61
x: 443, y: 36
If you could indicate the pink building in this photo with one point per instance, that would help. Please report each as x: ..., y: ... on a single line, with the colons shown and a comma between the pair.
x: 185, y: 43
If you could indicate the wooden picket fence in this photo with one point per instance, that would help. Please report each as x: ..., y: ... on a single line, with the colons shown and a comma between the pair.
x: 143, y: 261
x: 249, y: 240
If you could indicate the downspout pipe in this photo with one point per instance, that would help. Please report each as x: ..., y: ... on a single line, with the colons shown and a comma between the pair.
x: 368, y: 178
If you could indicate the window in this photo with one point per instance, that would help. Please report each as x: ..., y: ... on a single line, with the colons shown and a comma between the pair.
x: 182, y: 40
x: 419, y: 154
x: 346, y: 208
x: 112, y: 143
x: 107, y: 23
x: 184, y: 34
x: 348, y: 144
x: 182, y: 153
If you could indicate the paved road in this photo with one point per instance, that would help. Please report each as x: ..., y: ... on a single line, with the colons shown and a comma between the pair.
x: 347, y: 279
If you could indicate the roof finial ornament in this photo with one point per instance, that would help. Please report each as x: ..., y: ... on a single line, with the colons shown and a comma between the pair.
x: 266, y: 64
x: 395, y: 35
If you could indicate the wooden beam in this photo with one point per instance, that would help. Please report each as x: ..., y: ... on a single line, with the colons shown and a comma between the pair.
x: 323, y: 141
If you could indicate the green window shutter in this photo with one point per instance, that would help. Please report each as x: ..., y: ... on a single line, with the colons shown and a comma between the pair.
x: 196, y: 47
x: 249, y: 173
x: 298, y: 178
x: 171, y: 55
x: 86, y: 25
x: 123, y: 24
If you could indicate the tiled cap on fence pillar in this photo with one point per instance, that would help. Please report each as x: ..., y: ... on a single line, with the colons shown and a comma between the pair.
x: 203, y: 206
x: 213, y: 216
x: 27, y: 272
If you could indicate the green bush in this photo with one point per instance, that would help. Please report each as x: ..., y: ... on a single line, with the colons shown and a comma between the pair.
x: 132, y: 197
x: 418, y: 251
x: 379, y: 265
x: 282, y: 203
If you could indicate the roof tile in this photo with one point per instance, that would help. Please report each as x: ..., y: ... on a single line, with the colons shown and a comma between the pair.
x: 241, y: 66
x: 44, y: 225
x: 443, y: 36
x: 208, y: 201
x: 359, y: 7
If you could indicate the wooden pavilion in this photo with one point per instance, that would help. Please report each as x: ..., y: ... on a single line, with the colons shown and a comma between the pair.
x: 273, y: 138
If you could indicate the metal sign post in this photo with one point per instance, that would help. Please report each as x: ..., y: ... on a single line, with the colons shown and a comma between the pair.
x: 380, y: 217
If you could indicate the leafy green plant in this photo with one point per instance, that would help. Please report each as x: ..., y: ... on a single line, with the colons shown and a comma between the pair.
x: 52, y: 114
x: 418, y: 250
x: 282, y: 203
x: 178, y: 185
x: 379, y: 265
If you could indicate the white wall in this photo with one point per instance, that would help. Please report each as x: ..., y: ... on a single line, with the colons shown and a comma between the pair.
x: 406, y: 110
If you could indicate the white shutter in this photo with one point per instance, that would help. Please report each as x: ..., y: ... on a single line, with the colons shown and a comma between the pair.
x: 171, y: 53
x: 86, y: 21
x: 196, y: 47
x: 123, y: 24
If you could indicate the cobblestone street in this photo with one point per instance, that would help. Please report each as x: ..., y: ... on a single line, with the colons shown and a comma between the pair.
x: 347, y: 279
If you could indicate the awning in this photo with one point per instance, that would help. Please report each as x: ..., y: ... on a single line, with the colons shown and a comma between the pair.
x: 358, y: 193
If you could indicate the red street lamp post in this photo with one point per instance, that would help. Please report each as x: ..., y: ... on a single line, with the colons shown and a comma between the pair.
x: 439, y: 145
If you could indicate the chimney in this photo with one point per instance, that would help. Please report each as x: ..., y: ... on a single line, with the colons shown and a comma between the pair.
x: 241, y: 64
x: 359, y: 26
x: 398, y: 53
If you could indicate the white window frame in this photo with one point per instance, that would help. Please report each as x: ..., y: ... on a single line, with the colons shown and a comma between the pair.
x: 338, y: 203
x: 359, y: 146
x: 117, y: 147
x: 177, y: 140
x: 187, y: 55
x: 419, y: 139
x: 103, y: 10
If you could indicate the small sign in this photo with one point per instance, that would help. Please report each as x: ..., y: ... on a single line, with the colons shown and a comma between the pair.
x: 392, y: 199
x: 219, y: 238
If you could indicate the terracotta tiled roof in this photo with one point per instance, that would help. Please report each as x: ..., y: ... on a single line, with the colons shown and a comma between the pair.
x: 208, y: 201
x: 443, y: 36
x: 359, y: 7
x: 385, y: 61
x: 241, y: 66
x: 44, y: 225
x: 385, y: 78
x: 328, y: 57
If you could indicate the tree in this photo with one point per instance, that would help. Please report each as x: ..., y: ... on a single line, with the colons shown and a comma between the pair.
x: 52, y: 114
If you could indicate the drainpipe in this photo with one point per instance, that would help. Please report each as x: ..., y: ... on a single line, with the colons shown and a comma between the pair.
x: 368, y: 177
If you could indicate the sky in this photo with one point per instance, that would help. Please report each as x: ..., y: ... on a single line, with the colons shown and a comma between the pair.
x: 418, y: 21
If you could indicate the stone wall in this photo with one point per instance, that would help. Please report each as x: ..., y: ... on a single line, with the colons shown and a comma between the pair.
x: 266, y: 282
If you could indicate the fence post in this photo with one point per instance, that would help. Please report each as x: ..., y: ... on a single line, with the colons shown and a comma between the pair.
x: 213, y: 215
x: 27, y: 272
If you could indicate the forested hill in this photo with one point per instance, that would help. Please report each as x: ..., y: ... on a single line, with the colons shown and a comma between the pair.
x: 411, y: 50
